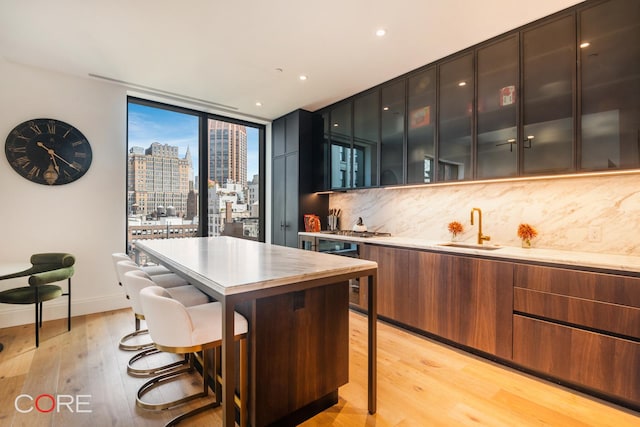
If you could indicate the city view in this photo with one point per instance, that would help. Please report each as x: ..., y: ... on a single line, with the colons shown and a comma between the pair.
x: 163, y: 176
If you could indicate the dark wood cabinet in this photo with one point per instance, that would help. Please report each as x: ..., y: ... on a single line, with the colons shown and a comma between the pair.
x: 599, y: 362
x: 293, y: 177
x: 465, y: 300
x: 472, y: 302
x: 580, y: 327
x: 607, y: 303
x: 397, y: 294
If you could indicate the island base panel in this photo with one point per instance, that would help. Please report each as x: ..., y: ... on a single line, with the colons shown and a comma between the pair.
x: 299, y: 347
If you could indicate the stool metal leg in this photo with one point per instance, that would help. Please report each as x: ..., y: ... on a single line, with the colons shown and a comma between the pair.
x: 137, y: 372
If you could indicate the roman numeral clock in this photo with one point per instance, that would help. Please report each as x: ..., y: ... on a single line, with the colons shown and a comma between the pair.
x: 48, y: 151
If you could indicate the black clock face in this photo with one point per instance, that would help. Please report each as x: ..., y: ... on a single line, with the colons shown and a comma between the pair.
x: 48, y: 151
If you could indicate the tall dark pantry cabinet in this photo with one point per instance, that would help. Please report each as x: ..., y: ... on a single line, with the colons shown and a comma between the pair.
x: 294, y: 151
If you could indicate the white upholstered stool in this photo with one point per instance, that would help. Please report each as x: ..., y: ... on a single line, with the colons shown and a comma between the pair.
x: 164, y: 279
x: 151, y: 270
x: 187, y: 295
x: 179, y: 329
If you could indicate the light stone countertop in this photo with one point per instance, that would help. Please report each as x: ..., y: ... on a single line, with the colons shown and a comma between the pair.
x: 626, y: 264
x: 230, y: 265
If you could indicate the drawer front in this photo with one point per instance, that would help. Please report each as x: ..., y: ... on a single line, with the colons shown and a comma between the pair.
x: 602, y: 363
x: 601, y: 287
x: 614, y: 318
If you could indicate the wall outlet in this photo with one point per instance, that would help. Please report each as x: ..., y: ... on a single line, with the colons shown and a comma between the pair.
x: 595, y: 233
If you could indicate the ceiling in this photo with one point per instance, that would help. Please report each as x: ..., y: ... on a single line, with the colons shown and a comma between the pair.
x: 225, y: 56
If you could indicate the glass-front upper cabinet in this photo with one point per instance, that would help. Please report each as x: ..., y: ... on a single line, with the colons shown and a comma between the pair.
x: 498, y: 75
x: 456, y: 118
x: 610, y: 80
x: 392, y: 133
x: 549, y: 54
x: 340, y: 146
x: 421, y: 127
x: 366, y: 131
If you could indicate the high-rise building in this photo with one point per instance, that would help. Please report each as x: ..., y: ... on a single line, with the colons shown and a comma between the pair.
x: 227, y: 153
x: 159, y: 180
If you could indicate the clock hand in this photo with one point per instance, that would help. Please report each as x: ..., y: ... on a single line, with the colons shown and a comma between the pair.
x: 53, y: 153
x: 55, y: 164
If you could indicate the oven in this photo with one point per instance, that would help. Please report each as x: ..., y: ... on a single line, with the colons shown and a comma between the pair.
x: 325, y: 242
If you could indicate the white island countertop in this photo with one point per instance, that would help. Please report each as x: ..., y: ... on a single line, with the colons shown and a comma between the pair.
x: 230, y: 265
x: 626, y: 264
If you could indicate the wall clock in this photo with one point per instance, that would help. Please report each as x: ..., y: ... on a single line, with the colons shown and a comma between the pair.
x: 48, y: 151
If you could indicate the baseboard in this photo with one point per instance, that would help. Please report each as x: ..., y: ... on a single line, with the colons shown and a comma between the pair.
x: 14, y: 315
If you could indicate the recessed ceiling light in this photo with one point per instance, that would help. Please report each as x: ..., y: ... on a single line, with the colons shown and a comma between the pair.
x: 335, y: 125
x: 302, y: 77
x: 585, y: 44
x: 385, y: 108
x: 258, y: 104
x: 381, y: 32
x: 462, y: 84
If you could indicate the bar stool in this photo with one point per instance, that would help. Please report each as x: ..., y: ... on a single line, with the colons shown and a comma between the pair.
x: 151, y: 270
x: 179, y: 329
x: 166, y: 280
x: 187, y: 295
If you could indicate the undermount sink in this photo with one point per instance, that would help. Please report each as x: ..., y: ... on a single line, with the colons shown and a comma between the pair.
x: 470, y: 246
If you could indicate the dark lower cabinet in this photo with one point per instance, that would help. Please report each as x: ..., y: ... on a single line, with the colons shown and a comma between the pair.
x: 471, y: 303
x: 465, y: 300
x: 299, y: 353
x: 579, y: 327
x: 574, y: 326
x: 596, y: 361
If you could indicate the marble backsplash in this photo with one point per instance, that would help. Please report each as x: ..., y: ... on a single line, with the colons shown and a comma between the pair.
x: 582, y: 213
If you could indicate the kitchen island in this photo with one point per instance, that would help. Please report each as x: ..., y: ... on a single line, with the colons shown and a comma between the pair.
x: 296, y: 303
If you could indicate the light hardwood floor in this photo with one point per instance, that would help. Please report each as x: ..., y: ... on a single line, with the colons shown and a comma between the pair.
x: 421, y: 383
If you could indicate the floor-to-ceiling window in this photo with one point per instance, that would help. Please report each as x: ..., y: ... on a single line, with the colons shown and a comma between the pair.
x: 191, y: 173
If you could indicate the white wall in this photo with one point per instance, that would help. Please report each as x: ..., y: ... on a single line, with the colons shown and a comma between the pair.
x: 86, y: 217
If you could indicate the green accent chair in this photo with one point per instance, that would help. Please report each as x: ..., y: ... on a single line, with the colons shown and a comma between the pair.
x: 46, y: 269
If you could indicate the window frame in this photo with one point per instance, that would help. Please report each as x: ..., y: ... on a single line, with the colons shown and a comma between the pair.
x: 203, y: 161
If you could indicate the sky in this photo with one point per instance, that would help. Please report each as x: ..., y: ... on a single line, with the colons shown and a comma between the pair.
x: 148, y: 125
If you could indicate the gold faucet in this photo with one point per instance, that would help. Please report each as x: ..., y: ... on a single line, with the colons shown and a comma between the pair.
x: 481, y: 237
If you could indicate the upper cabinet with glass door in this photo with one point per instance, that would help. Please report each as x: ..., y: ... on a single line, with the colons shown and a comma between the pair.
x: 498, y: 86
x: 610, y: 82
x: 392, y: 133
x: 340, y: 146
x: 557, y: 96
x: 421, y: 134
x: 549, y: 54
x: 366, y: 131
x: 456, y: 119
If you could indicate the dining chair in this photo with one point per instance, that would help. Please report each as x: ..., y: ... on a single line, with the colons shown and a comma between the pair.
x: 41, y: 288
